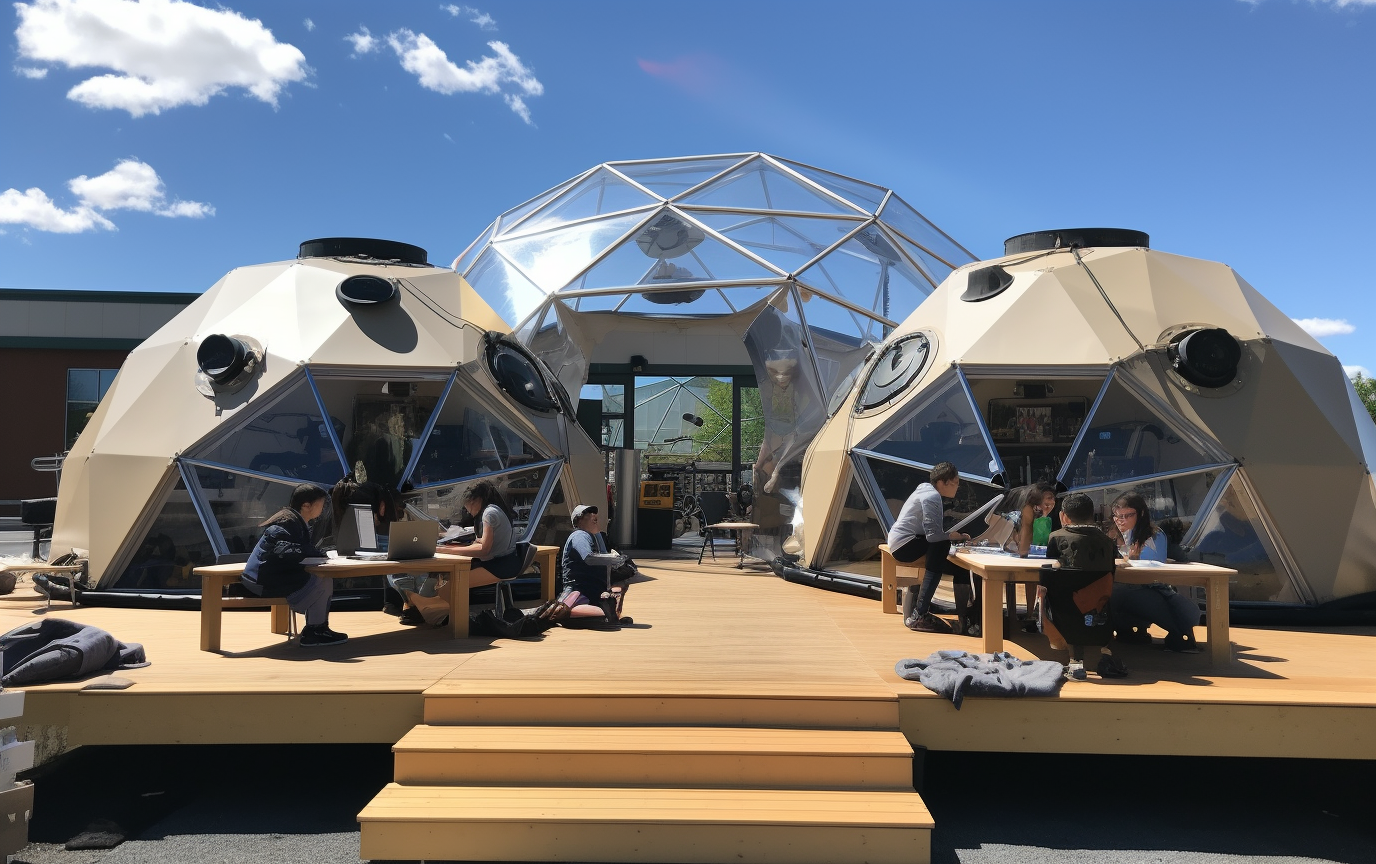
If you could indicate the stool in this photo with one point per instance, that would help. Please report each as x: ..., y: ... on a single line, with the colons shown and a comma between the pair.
x: 737, y: 529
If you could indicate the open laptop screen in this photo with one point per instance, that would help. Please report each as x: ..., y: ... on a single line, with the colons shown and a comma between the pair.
x: 363, y: 524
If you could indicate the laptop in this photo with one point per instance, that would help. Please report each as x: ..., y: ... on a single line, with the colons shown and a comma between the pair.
x: 355, y: 532
x: 412, y: 539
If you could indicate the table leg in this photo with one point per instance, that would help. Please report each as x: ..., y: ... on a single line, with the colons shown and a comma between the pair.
x: 888, y: 577
x: 548, y: 562
x: 1216, y: 607
x: 212, y: 604
x: 458, y: 600
x: 281, y: 618
x: 1010, y: 616
x: 991, y: 612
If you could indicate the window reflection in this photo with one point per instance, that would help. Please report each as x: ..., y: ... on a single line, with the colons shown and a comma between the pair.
x: 174, y: 546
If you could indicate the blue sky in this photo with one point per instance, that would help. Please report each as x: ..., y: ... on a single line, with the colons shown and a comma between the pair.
x: 1235, y: 131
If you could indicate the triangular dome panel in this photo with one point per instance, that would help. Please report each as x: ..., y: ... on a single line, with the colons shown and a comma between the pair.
x: 467, y: 439
x: 944, y: 427
x: 866, y: 196
x: 512, y: 218
x: 920, y: 230
x: 870, y: 272
x: 551, y: 258
x: 286, y: 437
x: 176, y: 532
x: 465, y: 260
x: 758, y: 185
x: 695, y: 256
x: 601, y: 192
x: 504, y: 286
x: 675, y: 176
x: 787, y: 242
x: 1125, y: 439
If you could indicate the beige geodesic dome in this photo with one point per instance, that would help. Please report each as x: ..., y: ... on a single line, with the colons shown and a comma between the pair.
x: 167, y: 477
x: 1060, y: 365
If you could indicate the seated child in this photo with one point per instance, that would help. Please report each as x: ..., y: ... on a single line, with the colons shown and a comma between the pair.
x: 1077, y: 594
x: 276, y: 568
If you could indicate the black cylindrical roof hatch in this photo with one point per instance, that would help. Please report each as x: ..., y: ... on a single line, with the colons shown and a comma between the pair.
x: 1064, y: 238
x: 363, y: 247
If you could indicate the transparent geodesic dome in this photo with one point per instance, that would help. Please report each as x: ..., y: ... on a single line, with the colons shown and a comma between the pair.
x: 711, y: 236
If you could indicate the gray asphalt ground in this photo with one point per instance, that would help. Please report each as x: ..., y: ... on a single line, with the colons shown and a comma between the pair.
x: 207, y: 805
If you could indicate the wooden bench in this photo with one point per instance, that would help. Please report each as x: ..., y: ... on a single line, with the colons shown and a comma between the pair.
x: 894, y: 576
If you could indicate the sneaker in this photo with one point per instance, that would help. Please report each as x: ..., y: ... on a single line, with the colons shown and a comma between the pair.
x: 391, y: 609
x: 1133, y: 636
x: 928, y: 623
x: 412, y: 617
x: 1076, y: 671
x: 973, y: 630
x: 626, y: 621
x: 1111, y: 667
x: 1181, y: 643
x: 318, y: 638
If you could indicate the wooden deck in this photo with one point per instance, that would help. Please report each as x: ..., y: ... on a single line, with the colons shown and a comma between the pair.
x: 712, y: 646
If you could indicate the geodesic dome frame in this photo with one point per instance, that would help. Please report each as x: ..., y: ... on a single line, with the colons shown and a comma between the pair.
x: 710, y: 236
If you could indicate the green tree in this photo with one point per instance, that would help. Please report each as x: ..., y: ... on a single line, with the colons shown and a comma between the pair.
x: 714, y: 437
x: 1366, y: 389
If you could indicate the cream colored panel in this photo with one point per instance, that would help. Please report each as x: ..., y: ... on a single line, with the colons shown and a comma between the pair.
x: 1357, y: 567
x: 120, y: 488
x: 1274, y: 322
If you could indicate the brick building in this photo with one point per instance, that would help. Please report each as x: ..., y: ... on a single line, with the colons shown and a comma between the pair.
x: 59, y: 351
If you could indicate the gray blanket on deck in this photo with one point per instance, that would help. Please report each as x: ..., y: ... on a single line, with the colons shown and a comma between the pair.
x: 957, y: 674
x: 56, y: 648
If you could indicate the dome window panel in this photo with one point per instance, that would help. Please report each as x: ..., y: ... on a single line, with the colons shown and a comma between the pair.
x: 287, y: 437
x: 1175, y: 502
x: 675, y: 176
x: 521, y: 489
x: 380, y: 420
x: 670, y: 249
x: 840, y: 339
x: 945, y: 427
x: 893, y: 482
x: 1235, y: 534
x: 239, y: 503
x: 758, y: 185
x: 469, y: 255
x: 865, y: 195
x: 510, y: 221
x: 920, y: 230
x: 552, y: 258
x: 856, y: 534
x: 1124, y: 438
x: 869, y: 271
x: 787, y: 242
x: 468, y: 439
x: 600, y: 193
x: 175, y: 544
x: 511, y: 293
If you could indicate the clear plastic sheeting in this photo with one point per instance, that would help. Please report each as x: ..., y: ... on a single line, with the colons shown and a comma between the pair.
x: 600, y: 193
x: 1233, y: 534
x: 868, y: 271
x: 673, y: 177
x: 945, y: 427
x: 791, y: 396
x: 920, y: 230
x: 1125, y: 438
x: 557, y: 348
x: 552, y: 258
x: 286, y: 437
x: 512, y: 295
x: 173, y: 546
x: 759, y: 185
x: 854, y: 546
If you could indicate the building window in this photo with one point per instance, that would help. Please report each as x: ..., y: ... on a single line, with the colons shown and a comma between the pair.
x: 85, y: 389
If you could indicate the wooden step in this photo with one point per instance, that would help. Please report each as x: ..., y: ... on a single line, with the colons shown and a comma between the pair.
x: 748, y: 758
x: 523, y: 823
x: 595, y: 703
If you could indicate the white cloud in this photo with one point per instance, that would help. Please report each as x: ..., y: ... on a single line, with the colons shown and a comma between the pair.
x: 1321, y: 327
x: 501, y: 73
x: 34, y: 209
x: 130, y: 185
x: 1354, y: 371
x: 477, y: 16
x: 166, y: 52
x: 364, y: 42
x: 31, y: 72
x: 133, y: 185
x: 309, y: 25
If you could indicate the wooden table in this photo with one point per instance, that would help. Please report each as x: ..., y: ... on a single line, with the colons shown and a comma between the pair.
x: 737, y: 529
x: 999, y: 570
x: 216, y: 577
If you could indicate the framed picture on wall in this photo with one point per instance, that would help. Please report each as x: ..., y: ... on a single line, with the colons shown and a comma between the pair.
x: 1036, y: 421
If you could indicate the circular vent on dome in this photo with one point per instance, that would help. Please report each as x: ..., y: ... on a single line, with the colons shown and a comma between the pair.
x: 366, y: 290
x: 897, y: 367
x: 518, y: 375
x: 1207, y: 357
